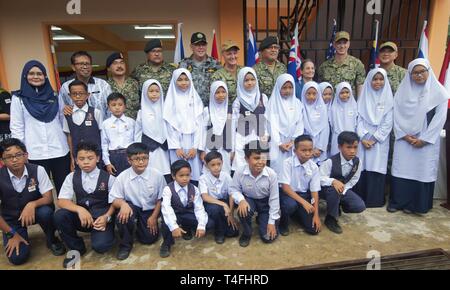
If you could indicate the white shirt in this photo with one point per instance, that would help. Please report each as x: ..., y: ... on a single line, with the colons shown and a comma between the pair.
x: 99, y: 91
x: 168, y: 213
x: 325, y: 172
x: 300, y: 177
x: 89, y: 183
x: 215, y: 187
x: 43, y: 140
x: 142, y: 190
x: 79, y: 115
x: 43, y: 181
x: 117, y: 133
x: 264, y: 185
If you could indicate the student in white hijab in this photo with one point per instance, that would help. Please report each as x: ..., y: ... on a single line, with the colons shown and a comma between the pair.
x: 327, y: 92
x: 375, y: 121
x: 285, y: 116
x: 218, y: 133
x: 183, y: 112
x: 147, y: 132
x: 249, y: 120
x: 316, y: 120
x: 420, y: 112
x: 343, y: 114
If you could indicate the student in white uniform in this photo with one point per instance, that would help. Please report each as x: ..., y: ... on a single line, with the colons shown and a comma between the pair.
x: 316, y: 120
x: 285, y: 114
x: 420, y: 112
x: 248, y: 115
x: 375, y: 109
x: 219, y: 134
x: 37, y: 122
x: 151, y: 129
x: 327, y: 92
x: 343, y: 114
x: 183, y: 111
x: 136, y: 195
x: 117, y: 134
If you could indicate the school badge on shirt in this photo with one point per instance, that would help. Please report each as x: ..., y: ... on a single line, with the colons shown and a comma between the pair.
x: 89, y: 120
x: 32, y: 185
x: 102, y: 186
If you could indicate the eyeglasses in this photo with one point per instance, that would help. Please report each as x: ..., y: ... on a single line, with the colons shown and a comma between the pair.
x: 78, y: 94
x: 36, y: 74
x: 83, y: 64
x: 12, y: 157
x: 139, y: 159
x: 418, y: 73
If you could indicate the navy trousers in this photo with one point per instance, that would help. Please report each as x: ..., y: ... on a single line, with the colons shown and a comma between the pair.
x: 216, y: 213
x: 350, y: 202
x: 68, y: 223
x: 137, y: 221
x: 290, y: 207
x: 44, y: 217
x: 261, y: 206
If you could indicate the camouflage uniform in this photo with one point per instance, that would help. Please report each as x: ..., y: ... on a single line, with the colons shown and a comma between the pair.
x: 231, y: 81
x: 201, y: 75
x: 146, y: 71
x: 130, y: 90
x: 351, y: 70
x: 267, y: 78
x: 395, y: 76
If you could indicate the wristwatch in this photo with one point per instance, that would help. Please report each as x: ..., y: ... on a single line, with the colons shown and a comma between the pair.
x: 10, y: 234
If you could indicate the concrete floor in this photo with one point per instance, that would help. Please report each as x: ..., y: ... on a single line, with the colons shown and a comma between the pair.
x: 375, y: 229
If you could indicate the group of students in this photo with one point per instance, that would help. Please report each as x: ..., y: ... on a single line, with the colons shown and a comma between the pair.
x: 177, y: 158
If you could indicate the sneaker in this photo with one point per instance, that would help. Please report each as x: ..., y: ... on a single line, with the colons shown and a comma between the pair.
x: 219, y: 239
x: 407, y: 211
x: 188, y: 235
x: 164, y: 251
x: 123, y: 254
x: 244, y: 241
x: 284, y: 231
x: 67, y: 261
x: 391, y: 209
x: 333, y: 225
x: 57, y: 248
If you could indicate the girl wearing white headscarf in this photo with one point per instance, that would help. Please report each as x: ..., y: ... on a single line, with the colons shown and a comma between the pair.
x: 151, y: 128
x: 420, y: 111
x: 343, y: 114
x: 285, y: 116
x: 375, y: 108
x: 183, y: 112
x: 249, y: 121
x: 316, y: 121
x: 218, y: 133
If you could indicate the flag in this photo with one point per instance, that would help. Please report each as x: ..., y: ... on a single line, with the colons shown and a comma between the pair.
x: 179, y: 49
x: 374, y: 55
x: 423, y: 44
x: 295, y: 60
x: 444, y: 77
x: 214, y: 51
x: 252, y: 51
x: 331, y: 50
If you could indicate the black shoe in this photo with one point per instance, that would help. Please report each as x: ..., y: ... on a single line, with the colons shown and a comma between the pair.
x: 391, y: 209
x: 66, y: 261
x: 407, y: 211
x: 57, y: 248
x: 219, y: 239
x: 284, y: 231
x: 123, y: 254
x: 333, y: 225
x: 244, y: 241
x: 164, y: 251
x: 188, y: 235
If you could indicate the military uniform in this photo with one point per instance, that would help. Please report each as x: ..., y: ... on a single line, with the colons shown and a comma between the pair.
x: 395, y: 76
x: 231, y: 81
x: 201, y: 75
x: 266, y: 77
x: 146, y: 71
x: 351, y: 70
x: 130, y: 90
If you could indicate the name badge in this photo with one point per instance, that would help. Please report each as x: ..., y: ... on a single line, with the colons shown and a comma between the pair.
x: 291, y: 109
x: 250, y: 185
x: 88, y: 123
x: 31, y: 188
x: 317, y: 115
x: 151, y: 116
x: 247, y: 113
x: 8, y: 101
x: 308, y: 172
x: 212, y: 190
x: 380, y: 108
x: 112, y: 126
x: 351, y: 113
x: 151, y: 189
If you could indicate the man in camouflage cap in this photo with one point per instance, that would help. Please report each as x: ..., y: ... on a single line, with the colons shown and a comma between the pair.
x: 201, y: 66
x: 121, y: 83
x: 228, y: 74
x: 395, y: 73
x: 343, y: 67
x: 155, y: 67
x: 269, y: 68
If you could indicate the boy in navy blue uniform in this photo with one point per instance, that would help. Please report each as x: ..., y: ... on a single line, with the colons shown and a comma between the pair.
x: 339, y: 174
x: 26, y: 198
x: 84, y: 123
x: 91, y: 212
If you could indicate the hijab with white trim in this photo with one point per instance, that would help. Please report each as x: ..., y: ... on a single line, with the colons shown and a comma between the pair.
x: 343, y: 115
x: 249, y: 99
x: 218, y: 113
x: 156, y: 129
x: 312, y: 124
